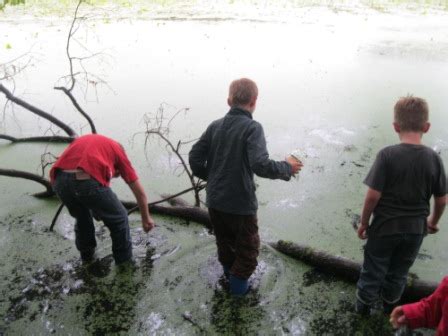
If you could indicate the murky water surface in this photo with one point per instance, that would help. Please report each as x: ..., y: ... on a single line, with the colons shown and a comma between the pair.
x: 328, y: 81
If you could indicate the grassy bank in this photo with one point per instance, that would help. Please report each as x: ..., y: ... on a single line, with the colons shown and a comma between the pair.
x: 53, y: 7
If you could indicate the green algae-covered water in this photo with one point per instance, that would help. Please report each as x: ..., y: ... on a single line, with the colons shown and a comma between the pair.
x: 328, y: 80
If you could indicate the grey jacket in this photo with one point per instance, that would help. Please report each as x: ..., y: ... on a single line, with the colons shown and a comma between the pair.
x: 227, y: 155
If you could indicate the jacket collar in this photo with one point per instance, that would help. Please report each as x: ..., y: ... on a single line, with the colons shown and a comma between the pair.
x: 240, y: 111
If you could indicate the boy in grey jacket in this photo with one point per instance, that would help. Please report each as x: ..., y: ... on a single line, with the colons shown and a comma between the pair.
x: 227, y: 155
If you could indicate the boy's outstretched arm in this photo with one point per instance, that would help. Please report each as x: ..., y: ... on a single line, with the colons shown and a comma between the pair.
x: 433, y: 219
x: 370, y: 202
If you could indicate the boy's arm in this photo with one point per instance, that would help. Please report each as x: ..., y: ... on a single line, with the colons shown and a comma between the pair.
x: 438, y: 208
x: 370, y: 202
x: 259, y: 160
x: 142, y: 201
x: 198, y: 157
x: 426, y: 313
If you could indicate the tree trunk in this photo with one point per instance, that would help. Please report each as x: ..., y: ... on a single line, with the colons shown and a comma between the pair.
x: 347, y: 269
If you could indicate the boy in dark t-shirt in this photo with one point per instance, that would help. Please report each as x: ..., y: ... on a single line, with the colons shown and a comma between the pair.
x: 401, y: 183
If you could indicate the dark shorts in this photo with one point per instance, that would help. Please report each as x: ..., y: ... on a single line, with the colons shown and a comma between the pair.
x: 84, y: 197
x: 237, y: 240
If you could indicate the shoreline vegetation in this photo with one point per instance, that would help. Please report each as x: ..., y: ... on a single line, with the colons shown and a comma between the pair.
x: 217, y: 9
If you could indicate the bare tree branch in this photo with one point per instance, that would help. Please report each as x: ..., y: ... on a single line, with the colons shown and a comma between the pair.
x: 32, y: 177
x: 67, y: 49
x: 53, y: 138
x: 168, y: 198
x: 37, y: 111
x: 78, y: 107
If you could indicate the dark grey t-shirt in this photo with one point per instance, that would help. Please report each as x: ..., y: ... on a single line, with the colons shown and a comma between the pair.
x: 407, y: 176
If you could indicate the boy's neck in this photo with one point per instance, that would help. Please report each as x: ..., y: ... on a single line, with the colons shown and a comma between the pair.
x: 412, y: 138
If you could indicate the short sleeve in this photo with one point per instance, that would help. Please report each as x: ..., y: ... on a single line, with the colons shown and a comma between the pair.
x: 440, y: 181
x: 376, y: 178
x: 124, y: 166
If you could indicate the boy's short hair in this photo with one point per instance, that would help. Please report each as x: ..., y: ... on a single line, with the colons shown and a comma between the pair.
x: 411, y: 113
x: 242, y: 91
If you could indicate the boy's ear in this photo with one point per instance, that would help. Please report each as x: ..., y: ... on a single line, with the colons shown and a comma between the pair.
x: 229, y: 102
x: 426, y: 127
x: 253, y: 102
x: 396, y: 127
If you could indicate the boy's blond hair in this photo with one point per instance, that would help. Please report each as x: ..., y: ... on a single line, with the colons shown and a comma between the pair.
x: 242, y: 91
x: 411, y: 114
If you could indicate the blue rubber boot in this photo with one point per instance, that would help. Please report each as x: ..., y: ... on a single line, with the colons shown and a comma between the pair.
x: 238, y: 286
x: 226, y: 271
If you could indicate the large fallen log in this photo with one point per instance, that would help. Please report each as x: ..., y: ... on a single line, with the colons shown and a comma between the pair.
x: 347, y: 269
x: 194, y: 214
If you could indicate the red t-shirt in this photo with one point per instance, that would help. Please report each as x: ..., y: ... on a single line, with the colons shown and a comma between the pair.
x: 100, y: 157
x: 430, y: 312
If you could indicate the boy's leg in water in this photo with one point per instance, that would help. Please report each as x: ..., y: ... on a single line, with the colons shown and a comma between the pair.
x: 402, y: 259
x: 377, y: 255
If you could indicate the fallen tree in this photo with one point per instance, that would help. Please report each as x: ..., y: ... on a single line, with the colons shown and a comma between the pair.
x: 347, y: 269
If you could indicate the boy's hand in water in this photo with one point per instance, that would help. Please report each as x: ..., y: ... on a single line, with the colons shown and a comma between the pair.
x: 296, y: 164
x: 432, y: 228
x: 148, y: 224
x: 362, y: 231
x: 397, y: 318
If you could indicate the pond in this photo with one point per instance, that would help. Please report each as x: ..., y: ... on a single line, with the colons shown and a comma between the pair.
x: 328, y: 79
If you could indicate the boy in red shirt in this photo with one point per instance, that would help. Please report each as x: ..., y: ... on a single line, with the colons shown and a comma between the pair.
x: 430, y: 312
x: 81, y: 178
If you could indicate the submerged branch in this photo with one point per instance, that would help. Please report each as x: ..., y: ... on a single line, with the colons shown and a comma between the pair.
x: 166, y: 199
x: 32, y: 177
x: 37, y: 111
x: 55, y: 218
x: 194, y: 214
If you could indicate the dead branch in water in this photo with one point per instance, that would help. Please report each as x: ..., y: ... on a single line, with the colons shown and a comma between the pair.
x: 67, y: 129
x: 51, y: 138
x: 32, y: 177
x: 167, y: 198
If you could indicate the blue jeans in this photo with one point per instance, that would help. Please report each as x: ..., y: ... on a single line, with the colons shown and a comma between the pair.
x: 387, y: 261
x: 84, y: 197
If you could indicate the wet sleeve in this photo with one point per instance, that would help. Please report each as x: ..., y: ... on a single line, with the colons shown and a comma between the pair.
x: 376, y: 178
x: 258, y: 156
x: 124, y: 166
x: 440, y: 183
x: 198, y: 156
x: 427, y: 313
